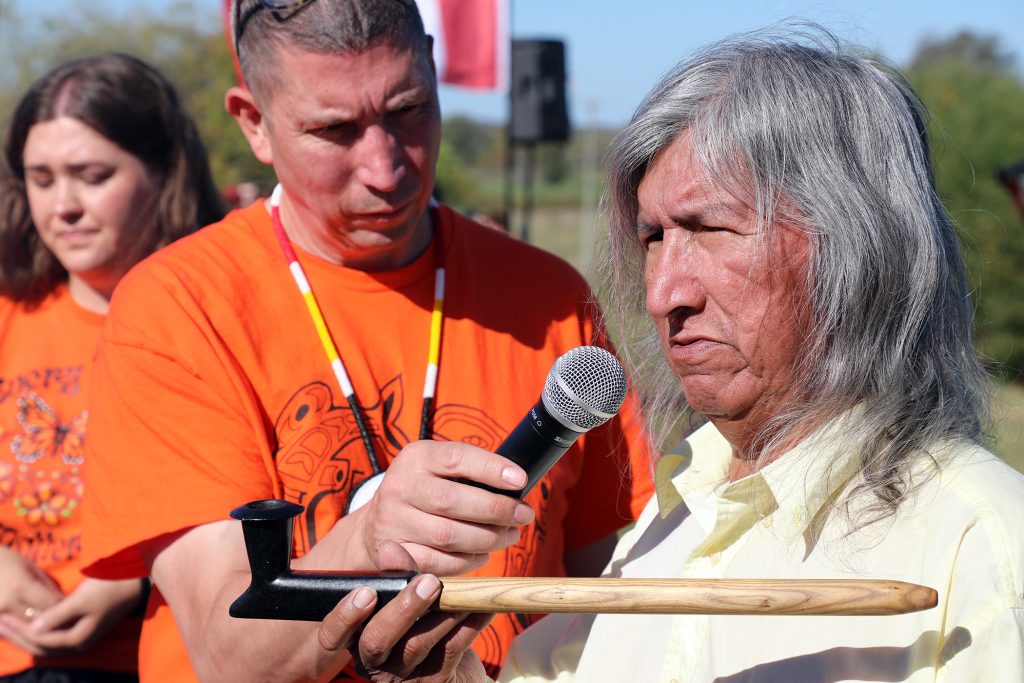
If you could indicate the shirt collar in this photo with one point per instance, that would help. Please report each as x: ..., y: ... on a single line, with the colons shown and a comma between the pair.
x: 795, y: 488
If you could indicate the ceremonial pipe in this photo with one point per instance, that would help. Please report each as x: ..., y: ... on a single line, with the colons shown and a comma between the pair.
x: 684, y: 596
x: 277, y: 592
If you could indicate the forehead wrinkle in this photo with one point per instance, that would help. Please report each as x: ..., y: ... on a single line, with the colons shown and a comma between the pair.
x: 694, y: 196
x: 694, y: 202
x: 329, y: 105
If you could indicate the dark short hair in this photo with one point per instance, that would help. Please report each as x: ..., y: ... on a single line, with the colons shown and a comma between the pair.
x: 131, y: 104
x: 323, y: 27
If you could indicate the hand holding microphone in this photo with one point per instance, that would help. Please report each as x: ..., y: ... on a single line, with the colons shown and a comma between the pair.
x: 436, y: 498
x: 585, y: 388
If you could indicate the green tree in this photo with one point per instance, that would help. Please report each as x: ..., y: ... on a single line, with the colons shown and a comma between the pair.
x: 469, y: 140
x: 451, y: 183
x: 976, y: 99
x: 187, y: 45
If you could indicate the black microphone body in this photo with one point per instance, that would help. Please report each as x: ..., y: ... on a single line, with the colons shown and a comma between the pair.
x: 537, y: 442
x: 585, y: 388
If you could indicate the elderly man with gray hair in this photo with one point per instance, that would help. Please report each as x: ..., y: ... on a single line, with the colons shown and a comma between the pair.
x: 773, y: 207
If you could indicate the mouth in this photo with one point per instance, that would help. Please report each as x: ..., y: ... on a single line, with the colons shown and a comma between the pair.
x: 384, y: 215
x: 689, y: 340
x: 74, y: 236
x: 691, y: 349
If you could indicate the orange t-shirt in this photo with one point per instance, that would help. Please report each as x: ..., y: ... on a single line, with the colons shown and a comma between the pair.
x: 212, y: 390
x: 45, y: 362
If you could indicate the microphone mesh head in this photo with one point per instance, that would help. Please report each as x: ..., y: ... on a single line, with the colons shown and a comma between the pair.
x: 591, y: 390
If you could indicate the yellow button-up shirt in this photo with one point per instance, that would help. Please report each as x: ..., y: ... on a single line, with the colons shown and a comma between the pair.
x: 961, y: 533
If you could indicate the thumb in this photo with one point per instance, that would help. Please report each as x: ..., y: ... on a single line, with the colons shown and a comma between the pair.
x: 392, y: 556
x: 64, y: 611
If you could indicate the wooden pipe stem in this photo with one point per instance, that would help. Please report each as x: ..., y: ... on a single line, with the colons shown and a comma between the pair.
x: 683, y: 596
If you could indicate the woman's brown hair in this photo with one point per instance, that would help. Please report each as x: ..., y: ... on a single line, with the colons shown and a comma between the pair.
x: 131, y: 104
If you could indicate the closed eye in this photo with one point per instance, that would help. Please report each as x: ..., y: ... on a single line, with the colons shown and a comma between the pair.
x: 339, y: 131
x: 408, y: 112
x: 648, y: 234
x: 94, y: 176
x: 40, y: 180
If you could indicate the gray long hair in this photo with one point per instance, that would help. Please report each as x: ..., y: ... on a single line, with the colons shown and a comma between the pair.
x: 803, y: 131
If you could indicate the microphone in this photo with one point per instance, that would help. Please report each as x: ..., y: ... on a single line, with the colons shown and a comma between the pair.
x: 583, y: 390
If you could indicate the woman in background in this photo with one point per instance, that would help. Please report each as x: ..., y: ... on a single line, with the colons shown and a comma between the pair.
x: 103, y: 166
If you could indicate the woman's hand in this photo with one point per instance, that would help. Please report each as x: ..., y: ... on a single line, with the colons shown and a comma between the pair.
x: 406, y: 641
x: 25, y: 592
x: 79, y: 620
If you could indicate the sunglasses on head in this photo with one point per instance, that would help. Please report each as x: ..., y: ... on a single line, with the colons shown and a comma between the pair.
x: 281, y: 9
x: 277, y: 7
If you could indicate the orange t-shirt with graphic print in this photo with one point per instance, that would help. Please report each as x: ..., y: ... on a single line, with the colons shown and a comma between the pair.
x: 45, y: 362
x: 212, y: 390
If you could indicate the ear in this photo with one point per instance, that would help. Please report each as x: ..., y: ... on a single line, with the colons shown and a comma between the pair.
x: 242, y: 106
x: 430, y: 55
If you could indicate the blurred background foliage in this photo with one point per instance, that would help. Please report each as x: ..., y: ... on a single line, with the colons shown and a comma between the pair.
x: 975, y: 94
x: 973, y: 88
x: 195, y: 59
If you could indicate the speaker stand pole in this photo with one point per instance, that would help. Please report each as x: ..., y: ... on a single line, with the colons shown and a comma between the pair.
x: 510, y: 168
x: 510, y: 163
x: 528, y: 168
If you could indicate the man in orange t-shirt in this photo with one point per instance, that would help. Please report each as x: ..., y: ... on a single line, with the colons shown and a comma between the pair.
x: 215, y: 383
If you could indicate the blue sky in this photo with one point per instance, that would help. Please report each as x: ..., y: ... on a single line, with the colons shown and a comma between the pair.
x: 616, y: 49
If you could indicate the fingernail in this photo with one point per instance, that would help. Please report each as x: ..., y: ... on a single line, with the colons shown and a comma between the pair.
x: 428, y: 586
x: 513, y: 476
x: 362, y: 598
x: 523, y: 514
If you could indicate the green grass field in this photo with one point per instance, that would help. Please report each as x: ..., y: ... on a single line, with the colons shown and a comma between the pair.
x: 1008, y: 423
x: 558, y: 230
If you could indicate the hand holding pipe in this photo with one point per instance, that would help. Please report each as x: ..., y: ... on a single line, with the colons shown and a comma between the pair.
x: 277, y: 592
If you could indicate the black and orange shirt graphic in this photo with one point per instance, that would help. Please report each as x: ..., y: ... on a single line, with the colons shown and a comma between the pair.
x: 321, y: 457
x: 41, y: 485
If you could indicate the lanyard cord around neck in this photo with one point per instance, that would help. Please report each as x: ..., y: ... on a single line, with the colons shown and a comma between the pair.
x: 327, y: 342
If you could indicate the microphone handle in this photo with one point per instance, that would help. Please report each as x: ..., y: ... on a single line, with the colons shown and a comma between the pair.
x: 536, y: 444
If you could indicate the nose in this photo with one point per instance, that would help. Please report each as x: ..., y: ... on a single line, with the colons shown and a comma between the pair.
x: 68, y: 207
x: 672, y: 276
x: 381, y: 162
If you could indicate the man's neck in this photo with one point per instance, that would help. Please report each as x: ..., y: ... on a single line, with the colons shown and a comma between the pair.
x: 309, y: 234
x: 747, y: 459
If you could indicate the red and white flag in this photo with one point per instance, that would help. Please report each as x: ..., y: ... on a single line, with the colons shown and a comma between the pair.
x: 471, y: 41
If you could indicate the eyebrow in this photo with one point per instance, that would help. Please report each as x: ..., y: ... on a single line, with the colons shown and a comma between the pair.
x: 80, y: 166
x: 418, y: 93
x: 326, y: 121
x: 711, y: 211
x: 701, y: 213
